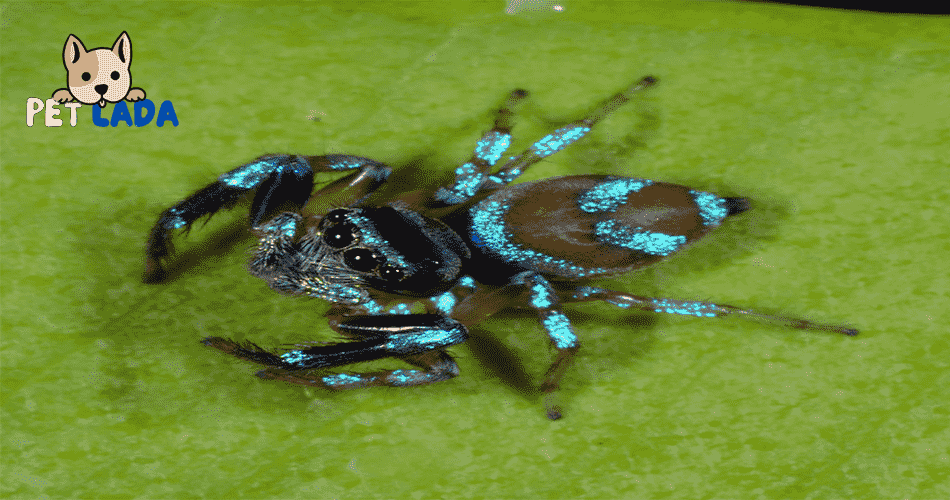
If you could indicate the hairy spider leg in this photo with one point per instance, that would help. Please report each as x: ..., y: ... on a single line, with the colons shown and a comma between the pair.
x: 693, y: 308
x: 470, y: 176
x: 417, y: 339
x: 279, y: 183
x: 563, y: 137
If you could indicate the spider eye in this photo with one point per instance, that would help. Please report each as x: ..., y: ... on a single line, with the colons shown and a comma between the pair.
x: 391, y: 273
x: 335, y: 216
x: 360, y: 259
x: 340, y: 236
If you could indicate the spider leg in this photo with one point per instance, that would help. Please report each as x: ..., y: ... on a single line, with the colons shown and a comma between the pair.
x: 563, y: 137
x: 470, y: 176
x: 279, y: 183
x: 529, y: 289
x: 693, y: 308
x: 418, y: 339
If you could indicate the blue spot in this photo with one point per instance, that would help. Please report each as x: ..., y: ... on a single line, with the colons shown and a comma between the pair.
x: 613, y: 233
x: 281, y: 226
x: 402, y: 377
x: 175, y: 222
x: 444, y: 303
x: 425, y: 340
x: 541, y: 296
x: 492, y: 146
x: 488, y: 231
x: 400, y: 309
x: 610, y: 194
x: 468, y: 181
x: 559, y: 139
x: 582, y: 292
x: 504, y: 177
x: 467, y: 282
x: 294, y: 357
x: 345, y: 164
x: 559, y: 329
x: 339, y: 379
x: 711, y: 207
x: 372, y: 307
x: 686, y: 308
x: 252, y: 174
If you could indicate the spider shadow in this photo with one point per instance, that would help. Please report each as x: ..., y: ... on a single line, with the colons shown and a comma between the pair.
x: 504, y: 362
x: 202, y: 254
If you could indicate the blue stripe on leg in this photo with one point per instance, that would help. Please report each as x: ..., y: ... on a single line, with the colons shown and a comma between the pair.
x: 252, y: 174
x: 470, y: 176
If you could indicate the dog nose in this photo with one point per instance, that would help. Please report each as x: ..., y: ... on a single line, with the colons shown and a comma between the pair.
x: 102, y: 88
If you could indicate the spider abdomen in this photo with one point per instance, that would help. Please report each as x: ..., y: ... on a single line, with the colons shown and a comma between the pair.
x: 586, y: 226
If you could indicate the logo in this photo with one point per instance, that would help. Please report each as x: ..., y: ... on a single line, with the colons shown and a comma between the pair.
x: 98, y: 77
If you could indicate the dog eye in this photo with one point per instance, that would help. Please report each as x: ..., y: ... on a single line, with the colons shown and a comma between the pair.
x: 115, y: 75
x: 86, y: 76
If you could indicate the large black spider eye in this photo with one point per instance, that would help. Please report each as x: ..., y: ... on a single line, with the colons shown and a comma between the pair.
x: 360, y: 259
x: 340, y: 236
x: 335, y: 216
x: 115, y: 75
x: 391, y: 273
x: 86, y: 76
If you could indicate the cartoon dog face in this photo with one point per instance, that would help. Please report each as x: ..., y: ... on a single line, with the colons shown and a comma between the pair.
x: 100, y: 75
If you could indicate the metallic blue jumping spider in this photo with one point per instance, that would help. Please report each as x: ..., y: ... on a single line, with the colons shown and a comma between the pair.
x: 465, y: 250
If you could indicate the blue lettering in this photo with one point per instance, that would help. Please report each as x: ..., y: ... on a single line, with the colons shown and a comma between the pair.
x: 120, y: 113
x: 97, y: 118
x: 149, y: 107
x: 166, y: 113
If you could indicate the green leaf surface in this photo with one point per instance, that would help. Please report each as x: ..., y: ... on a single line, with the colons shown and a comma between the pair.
x: 835, y: 123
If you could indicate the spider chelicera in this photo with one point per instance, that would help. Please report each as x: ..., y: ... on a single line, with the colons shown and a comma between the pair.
x: 465, y: 250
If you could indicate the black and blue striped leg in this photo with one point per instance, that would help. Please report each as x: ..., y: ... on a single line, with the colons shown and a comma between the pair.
x: 563, y: 137
x: 418, y: 339
x: 471, y: 175
x: 278, y: 183
x: 693, y: 308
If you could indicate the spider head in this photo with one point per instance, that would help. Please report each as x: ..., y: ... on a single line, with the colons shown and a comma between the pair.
x: 389, y: 249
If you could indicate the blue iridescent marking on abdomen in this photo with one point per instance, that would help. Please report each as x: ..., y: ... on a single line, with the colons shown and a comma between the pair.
x: 488, y: 232
x: 610, y: 194
x: 614, y: 233
x: 711, y: 207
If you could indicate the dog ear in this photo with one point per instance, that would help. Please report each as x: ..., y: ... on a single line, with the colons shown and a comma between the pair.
x: 123, y: 48
x: 72, y: 51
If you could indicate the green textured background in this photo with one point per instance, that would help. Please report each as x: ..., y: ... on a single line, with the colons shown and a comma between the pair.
x: 835, y: 123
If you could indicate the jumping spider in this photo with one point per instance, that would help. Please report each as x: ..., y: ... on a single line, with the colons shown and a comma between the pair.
x: 466, y: 250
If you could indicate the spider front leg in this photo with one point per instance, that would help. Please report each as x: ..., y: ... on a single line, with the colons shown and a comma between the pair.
x: 693, y: 308
x: 278, y: 183
x: 417, y: 339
